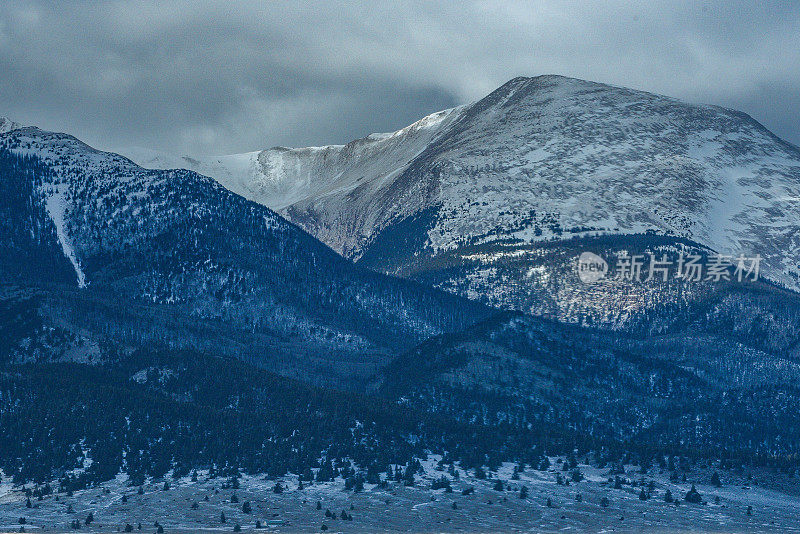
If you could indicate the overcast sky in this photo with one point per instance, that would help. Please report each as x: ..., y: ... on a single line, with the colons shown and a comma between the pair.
x: 213, y: 78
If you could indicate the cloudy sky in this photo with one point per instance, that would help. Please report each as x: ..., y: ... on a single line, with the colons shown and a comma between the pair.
x: 213, y: 78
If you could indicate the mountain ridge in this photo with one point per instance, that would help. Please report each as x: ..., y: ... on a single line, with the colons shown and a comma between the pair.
x: 171, y: 256
x: 538, y: 160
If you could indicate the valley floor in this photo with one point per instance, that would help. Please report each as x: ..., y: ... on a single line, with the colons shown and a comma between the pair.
x: 418, y: 508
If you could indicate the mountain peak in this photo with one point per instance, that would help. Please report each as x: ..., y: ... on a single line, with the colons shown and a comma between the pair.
x: 548, y: 80
x: 6, y: 125
x: 543, y: 158
x: 542, y: 77
x: 542, y: 89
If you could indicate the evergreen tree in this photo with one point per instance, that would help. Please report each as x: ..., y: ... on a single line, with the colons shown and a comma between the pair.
x: 693, y: 496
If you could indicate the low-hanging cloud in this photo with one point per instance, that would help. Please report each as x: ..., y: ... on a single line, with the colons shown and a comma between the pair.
x: 193, y: 77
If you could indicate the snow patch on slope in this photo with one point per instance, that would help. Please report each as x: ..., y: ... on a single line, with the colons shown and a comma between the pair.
x: 56, y: 205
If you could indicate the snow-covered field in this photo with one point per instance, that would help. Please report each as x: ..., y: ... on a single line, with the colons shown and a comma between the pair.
x: 418, y: 508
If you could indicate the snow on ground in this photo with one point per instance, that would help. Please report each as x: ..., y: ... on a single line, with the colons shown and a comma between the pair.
x: 56, y: 205
x: 417, y: 508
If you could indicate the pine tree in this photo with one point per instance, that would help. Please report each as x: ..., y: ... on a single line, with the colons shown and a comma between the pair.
x: 544, y: 465
x: 693, y: 496
x: 441, y: 483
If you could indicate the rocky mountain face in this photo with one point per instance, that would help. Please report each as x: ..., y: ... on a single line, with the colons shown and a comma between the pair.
x: 469, y: 199
x: 6, y: 125
x: 173, y: 258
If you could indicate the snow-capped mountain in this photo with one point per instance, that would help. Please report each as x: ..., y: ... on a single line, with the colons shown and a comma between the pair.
x: 163, y: 277
x: 6, y: 125
x: 172, y: 256
x: 538, y: 160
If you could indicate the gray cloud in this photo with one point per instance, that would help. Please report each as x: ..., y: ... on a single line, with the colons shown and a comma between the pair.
x: 193, y: 77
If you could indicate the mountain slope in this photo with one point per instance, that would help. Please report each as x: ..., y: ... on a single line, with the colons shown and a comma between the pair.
x: 538, y: 160
x: 174, y: 258
x: 6, y: 125
x: 520, y: 374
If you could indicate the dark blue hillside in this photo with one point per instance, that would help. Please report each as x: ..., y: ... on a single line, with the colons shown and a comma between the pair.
x: 170, y: 257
